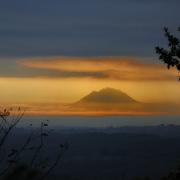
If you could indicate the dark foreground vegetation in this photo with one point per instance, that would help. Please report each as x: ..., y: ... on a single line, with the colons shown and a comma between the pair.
x: 25, y: 155
x: 120, y: 153
x: 112, y: 153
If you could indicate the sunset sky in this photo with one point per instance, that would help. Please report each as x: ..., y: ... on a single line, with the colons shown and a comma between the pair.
x: 59, y: 51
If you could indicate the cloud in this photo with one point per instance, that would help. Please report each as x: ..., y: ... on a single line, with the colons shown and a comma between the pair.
x: 113, y: 68
x: 83, y: 27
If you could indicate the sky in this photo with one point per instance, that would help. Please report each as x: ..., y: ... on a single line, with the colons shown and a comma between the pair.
x: 59, y: 51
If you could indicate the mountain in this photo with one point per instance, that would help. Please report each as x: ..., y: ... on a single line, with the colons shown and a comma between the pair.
x: 109, y: 101
x: 107, y: 96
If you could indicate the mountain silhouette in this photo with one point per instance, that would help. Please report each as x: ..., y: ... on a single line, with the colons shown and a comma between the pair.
x: 109, y: 101
x: 107, y: 95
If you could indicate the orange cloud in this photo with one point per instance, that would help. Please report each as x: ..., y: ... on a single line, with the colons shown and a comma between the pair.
x: 115, y: 68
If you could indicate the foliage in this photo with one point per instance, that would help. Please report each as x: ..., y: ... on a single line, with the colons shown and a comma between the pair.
x: 171, y: 55
x: 28, y: 161
x: 174, y: 175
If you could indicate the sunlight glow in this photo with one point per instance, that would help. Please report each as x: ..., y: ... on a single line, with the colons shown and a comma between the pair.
x: 144, y: 82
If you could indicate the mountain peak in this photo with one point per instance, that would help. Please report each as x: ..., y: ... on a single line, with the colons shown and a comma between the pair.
x: 107, y: 95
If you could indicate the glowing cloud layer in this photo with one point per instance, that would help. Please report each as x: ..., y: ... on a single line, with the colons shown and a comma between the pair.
x: 115, y: 68
x: 43, y: 85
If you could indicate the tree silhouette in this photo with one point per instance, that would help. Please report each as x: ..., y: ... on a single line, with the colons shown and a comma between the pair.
x: 171, y: 55
x: 173, y: 175
x: 25, y: 162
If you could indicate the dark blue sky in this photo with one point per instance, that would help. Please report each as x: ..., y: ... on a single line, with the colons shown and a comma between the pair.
x: 85, y: 27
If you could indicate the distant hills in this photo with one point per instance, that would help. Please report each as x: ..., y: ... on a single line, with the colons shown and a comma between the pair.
x: 107, y: 96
